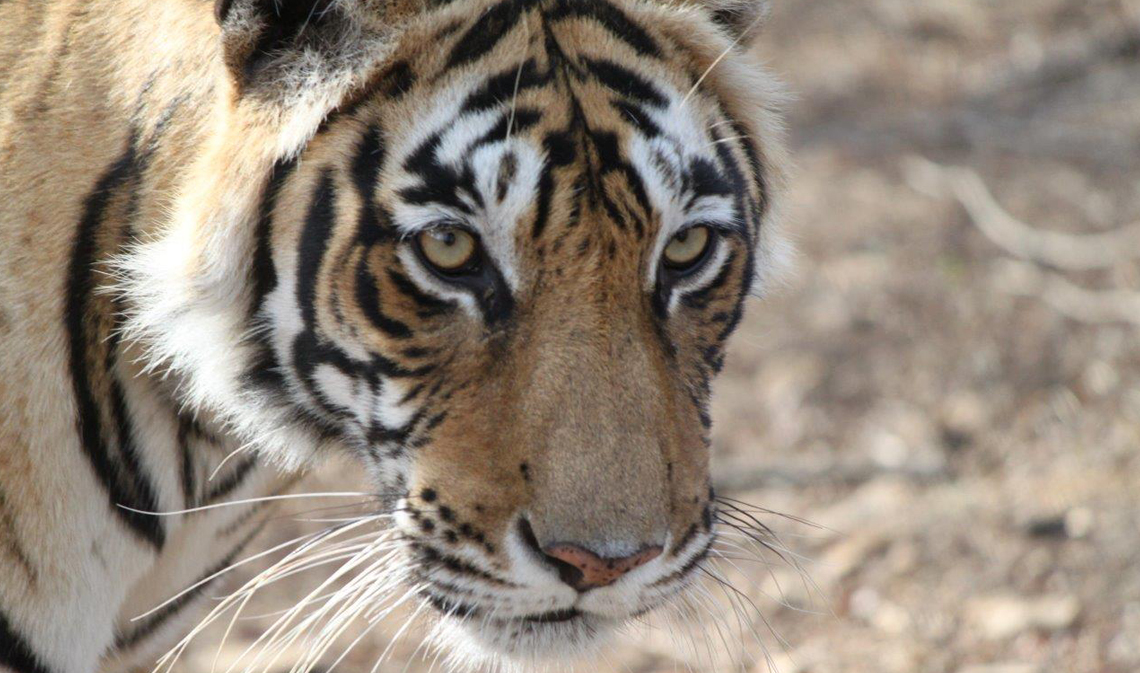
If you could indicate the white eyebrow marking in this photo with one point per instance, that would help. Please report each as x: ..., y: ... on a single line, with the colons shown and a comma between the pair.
x: 496, y: 220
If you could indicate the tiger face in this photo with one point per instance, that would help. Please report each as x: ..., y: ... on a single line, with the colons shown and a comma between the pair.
x: 499, y: 263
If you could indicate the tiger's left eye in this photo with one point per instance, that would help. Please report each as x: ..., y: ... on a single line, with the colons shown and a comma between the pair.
x: 687, y: 248
x: 448, y: 249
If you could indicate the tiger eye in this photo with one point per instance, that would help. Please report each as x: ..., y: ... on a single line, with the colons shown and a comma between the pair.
x: 448, y: 249
x: 687, y: 247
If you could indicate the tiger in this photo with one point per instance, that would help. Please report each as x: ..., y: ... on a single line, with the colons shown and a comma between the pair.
x: 489, y: 250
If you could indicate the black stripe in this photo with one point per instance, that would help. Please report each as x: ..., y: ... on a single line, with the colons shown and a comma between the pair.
x: 263, y: 274
x: 431, y: 557
x: 500, y: 88
x: 439, y: 183
x: 560, y: 151
x: 189, y: 475
x: 746, y: 209
x: 265, y: 372
x: 144, y: 493
x: 542, y: 205
x: 233, y: 480
x: 638, y: 118
x: 374, y: 223
x: 429, y: 306
x: 15, y: 652
x: 309, y: 353
x: 750, y: 151
x: 485, y: 33
x: 612, y: 19
x: 699, y: 299
x: 156, y: 620
x: 367, y: 163
x: 368, y: 297
x: 314, y: 243
x: 703, y: 179
x: 625, y: 82
x: 519, y: 120
x: 372, y: 229
x: 123, y: 487
x: 689, y: 565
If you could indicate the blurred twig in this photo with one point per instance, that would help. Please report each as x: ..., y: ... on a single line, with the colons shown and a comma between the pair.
x: 1069, y: 299
x: 1040, y: 248
x: 1063, y: 251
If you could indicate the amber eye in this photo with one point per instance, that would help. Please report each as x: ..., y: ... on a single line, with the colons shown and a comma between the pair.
x: 448, y: 249
x: 687, y: 247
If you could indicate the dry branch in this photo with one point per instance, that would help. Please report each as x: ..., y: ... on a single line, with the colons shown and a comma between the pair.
x: 1067, y: 298
x: 1048, y: 248
x: 1076, y: 252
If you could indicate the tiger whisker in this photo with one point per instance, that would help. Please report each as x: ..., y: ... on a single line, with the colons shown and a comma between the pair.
x: 764, y: 540
x: 693, y: 616
x: 735, y: 602
x: 293, y: 611
x: 354, y: 600
x: 246, y: 501
x: 740, y: 505
x: 367, y: 511
x: 720, y: 123
x: 426, y: 641
x: 308, y: 563
x: 274, y: 633
x: 728, y: 586
x: 308, y: 541
x: 339, y: 622
x: 782, y: 600
x: 728, y: 139
x: 218, y: 468
x: 705, y: 601
x: 384, y: 655
x: 515, y: 93
x: 792, y: 559
x: 210, y: 578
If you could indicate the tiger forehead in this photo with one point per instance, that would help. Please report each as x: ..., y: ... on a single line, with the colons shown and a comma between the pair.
x: 463, y: 135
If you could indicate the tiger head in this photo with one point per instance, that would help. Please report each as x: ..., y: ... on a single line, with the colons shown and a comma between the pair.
x: 493, y: 248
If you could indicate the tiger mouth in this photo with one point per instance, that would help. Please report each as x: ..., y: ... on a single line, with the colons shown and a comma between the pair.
x: 553, y: 617
x: 464, y: 611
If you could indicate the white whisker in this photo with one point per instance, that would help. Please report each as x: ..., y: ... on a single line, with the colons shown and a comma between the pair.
x: 247, y: 501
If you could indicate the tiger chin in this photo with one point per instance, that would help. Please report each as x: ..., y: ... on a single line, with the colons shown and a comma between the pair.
x: 490, y: 249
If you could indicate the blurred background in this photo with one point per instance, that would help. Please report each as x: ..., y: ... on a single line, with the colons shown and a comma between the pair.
x: 949, y: 388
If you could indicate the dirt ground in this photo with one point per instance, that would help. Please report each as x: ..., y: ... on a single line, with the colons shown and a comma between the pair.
x: 961, y: 425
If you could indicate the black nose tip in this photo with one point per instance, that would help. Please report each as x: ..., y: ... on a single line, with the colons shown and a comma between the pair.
x: 580, y: 567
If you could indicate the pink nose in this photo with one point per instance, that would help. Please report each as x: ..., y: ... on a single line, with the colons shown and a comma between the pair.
x: 588, y: 571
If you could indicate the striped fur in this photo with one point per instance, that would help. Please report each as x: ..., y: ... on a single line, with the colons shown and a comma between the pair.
x: 208, y: 226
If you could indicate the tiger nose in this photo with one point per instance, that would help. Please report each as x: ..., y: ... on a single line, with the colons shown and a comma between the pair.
x: 585, y: 570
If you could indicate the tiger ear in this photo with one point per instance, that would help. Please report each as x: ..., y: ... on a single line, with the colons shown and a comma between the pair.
x: 263, y: 40
x: 741, y: 19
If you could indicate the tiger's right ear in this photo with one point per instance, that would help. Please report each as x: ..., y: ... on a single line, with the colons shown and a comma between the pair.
x: 266, y: 41
x: 741, y: 19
